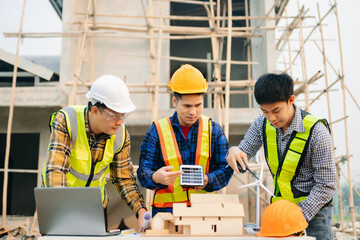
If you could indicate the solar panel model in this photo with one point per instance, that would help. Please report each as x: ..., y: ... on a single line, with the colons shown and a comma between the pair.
x: 192, y: 176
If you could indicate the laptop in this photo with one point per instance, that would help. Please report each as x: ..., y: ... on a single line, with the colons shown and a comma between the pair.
x: 71, y: 211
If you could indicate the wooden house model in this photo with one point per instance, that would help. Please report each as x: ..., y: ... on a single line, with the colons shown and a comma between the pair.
x: 209, y: 214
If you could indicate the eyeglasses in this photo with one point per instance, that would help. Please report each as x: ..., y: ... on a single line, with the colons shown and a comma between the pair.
x: 115, y: 117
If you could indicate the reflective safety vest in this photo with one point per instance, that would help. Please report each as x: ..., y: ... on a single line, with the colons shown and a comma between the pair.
x: 286, y: 167
x: 83, y: 171
x: 170, y: 151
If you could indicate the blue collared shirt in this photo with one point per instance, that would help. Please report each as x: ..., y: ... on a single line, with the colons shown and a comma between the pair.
x: 317, y: 175
x: 151, y: 158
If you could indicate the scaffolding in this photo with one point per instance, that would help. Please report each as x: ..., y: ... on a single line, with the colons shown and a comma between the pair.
x: 220, y: 31
x: 327, y: 82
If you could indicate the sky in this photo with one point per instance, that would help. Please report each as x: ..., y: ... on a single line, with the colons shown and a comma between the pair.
x: 40, y: 17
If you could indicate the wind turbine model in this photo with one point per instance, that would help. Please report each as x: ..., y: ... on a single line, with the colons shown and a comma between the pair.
x: 258, y: 183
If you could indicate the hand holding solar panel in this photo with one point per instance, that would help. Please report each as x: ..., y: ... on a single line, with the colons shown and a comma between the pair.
x: 192, y: 175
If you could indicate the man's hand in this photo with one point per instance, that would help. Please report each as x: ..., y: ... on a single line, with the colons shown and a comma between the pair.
x: 206, y: 180
x: 236, y: 155
x: 141, y: 213
x: 165, y: 176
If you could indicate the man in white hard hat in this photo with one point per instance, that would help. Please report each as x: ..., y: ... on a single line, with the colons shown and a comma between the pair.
x: 88, y: 142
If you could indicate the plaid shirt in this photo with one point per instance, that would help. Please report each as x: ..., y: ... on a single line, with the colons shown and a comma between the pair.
x: 151, y: 158
x: 121, y: 169
x: 317, y: 175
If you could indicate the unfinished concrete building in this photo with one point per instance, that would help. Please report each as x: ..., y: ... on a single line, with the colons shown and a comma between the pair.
x: 143, y: 42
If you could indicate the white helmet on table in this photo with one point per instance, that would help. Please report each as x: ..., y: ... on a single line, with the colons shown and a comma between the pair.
x: 112, y: 92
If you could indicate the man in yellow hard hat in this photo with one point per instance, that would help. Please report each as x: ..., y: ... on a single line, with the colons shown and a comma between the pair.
x: 187, y: 137
x: 88, y: 142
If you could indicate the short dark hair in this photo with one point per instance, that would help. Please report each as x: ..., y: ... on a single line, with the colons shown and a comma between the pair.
x: 178, y: 96
x: 271, y: 88
x: 99, y: 105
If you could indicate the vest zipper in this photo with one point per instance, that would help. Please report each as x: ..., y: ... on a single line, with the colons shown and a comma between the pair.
x: 93, y: 164
x: 91, y: 174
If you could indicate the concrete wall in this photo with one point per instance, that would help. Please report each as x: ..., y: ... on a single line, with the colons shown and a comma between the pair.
x: 123, y: 56
x: 263, y: 49
x: 30, y: 120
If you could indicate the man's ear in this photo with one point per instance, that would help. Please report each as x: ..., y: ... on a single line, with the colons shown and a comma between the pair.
x: 291, y: 99
x: 94, y: 110
x: 174, y: 101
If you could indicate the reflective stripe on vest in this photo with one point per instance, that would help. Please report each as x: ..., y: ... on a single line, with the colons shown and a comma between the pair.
x: 172, y: 157
x: 284, y: 169
x: 80, y: 159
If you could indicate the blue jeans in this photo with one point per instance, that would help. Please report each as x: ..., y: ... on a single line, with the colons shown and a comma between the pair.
x: 320, y: 225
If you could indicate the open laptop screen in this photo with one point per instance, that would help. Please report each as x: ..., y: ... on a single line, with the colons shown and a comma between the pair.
x: 70, y: 211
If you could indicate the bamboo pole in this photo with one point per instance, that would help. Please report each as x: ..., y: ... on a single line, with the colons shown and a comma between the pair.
x: 153, y: 73
x: 187, y: 1
x: 218, y: 12
x: 351, y: 198
x: 20, y: 170
x: 81, y: 55
x: 352, y: 97
x: 218, y: 98
x: 284, y: 61
x: 233, y: 83
x: 34, y: 221
x: 196, y: 18
x: 303, y: 60
x: 327, y: 60
x: 115, y: 34
x: 228, y: 70
x: 155, y: 112
x: 215, y: 47
x: 92, y: 44
x: 301, y: 89
x: 216, y: 55
x: 312, y: 31
x: 208, y: 92
x: 330, y: 116
x: 280, y: 45
x: 91, y: 60
x: 248, y: 53
x: 340, y: 119
x: 241, y: 31
x: 183, y: 59
x: 10, y: 122
x: 343, y: 174
x: 234, y: 62
x: 289, y: 45
x: 340, y: 197
x: 325, y: 90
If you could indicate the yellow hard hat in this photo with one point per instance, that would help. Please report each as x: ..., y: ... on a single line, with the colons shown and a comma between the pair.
x: 187, y: 80
x: 282, y: 218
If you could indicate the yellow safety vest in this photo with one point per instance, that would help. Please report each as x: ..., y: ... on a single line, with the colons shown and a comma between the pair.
x: 170, y: 151
x: 83, y: 171
x: 285, y: 169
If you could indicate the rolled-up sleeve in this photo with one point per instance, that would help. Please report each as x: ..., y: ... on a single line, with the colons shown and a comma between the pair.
x: 122, y: 176
x: 59, y: 151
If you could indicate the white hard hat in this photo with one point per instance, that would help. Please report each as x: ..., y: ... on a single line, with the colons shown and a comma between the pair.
x: 112, y: 92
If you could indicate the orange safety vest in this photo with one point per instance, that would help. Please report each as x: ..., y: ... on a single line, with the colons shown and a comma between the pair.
x: 175, y: 193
